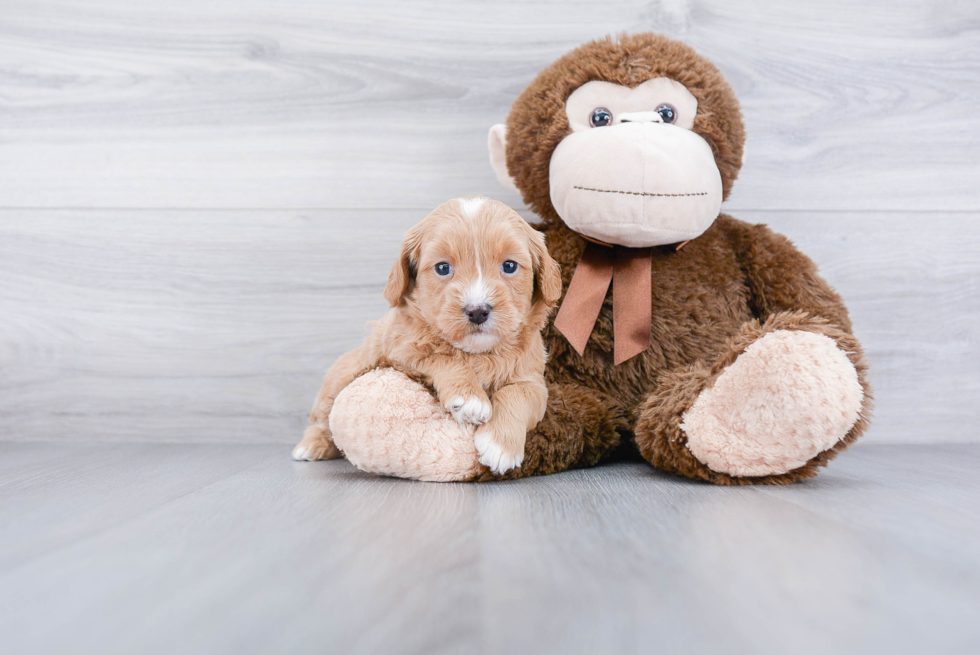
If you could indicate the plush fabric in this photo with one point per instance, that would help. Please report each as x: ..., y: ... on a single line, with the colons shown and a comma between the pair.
x: 645, y: 182
x: 497, y: 146
x: 537, y: 122
x: 670, y: 190
x: 389, y: 424
x: 788, y: 397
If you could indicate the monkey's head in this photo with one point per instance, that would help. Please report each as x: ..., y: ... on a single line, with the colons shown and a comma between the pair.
x: 633, y: 141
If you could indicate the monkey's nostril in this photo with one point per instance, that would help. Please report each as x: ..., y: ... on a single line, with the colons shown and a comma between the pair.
x: 478, y: 314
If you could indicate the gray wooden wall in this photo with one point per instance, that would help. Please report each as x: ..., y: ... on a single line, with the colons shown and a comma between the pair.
x: 199, y: 201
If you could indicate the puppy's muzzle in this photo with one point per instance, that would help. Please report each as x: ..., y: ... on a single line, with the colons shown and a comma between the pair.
x: 478, y: 313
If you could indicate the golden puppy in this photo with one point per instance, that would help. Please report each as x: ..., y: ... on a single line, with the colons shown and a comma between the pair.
x: 469, y: 296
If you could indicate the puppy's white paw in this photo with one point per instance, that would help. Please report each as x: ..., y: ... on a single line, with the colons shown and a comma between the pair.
x: 471, y: 410
x: 315, y: 446
x: 303, y: 454
x: 493, y: 456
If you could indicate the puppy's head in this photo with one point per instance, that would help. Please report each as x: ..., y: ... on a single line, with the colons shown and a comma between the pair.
x: 477, y: 273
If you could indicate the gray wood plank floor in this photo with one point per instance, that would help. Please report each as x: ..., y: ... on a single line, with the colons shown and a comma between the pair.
x: 196, y: 548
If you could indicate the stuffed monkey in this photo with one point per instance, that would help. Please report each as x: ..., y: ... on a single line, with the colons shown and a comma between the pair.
x: 709, y: 346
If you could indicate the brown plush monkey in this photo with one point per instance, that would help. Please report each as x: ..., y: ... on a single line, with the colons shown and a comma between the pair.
x: 709, y: 345
x: 751, y: 373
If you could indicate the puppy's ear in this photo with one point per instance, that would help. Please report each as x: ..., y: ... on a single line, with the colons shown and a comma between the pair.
x: 401, y: 281
x: 547, y: 272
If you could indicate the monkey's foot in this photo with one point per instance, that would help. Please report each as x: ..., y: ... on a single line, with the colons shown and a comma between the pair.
x: 788, y: 397
x: 388, y: 424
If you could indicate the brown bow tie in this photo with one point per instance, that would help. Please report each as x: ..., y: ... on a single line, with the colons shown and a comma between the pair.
x: 629, y: 271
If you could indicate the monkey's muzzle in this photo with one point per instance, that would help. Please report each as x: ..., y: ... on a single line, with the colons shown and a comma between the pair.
x: 636, y: 184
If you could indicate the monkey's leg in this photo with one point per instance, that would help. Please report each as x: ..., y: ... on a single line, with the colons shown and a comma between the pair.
x: 781, y: 401
x: 389, y: 424
x: 578, y: 430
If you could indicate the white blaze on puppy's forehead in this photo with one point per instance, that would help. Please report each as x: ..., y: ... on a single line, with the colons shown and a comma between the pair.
x: 471, y: 206
x: 477, y: 292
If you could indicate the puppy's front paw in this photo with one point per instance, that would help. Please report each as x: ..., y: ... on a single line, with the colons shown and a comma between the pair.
x: 493, y: 455
x: 473, y: 410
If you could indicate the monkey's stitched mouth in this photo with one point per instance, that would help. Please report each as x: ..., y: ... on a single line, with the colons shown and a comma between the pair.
x: 642, y: 193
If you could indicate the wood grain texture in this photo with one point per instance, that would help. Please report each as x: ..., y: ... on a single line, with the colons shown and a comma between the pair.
x: 379, y: 103
x: 278, y: 556
x: 218, y: 325
x: 82, y: 491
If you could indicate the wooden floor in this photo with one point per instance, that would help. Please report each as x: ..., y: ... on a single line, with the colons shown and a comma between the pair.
x: 197, y: 548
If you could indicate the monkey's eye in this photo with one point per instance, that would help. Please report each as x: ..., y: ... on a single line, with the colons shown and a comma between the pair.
x: 443, y: 269
x: 600, y: 117
x: 509, y: 267
x: 667, y: 113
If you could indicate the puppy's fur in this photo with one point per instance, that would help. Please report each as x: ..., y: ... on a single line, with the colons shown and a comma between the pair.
x: 491, y: 374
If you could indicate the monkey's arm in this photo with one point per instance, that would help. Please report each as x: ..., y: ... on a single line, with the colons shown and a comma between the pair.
x: 789, y: 294
x: 781, y: 279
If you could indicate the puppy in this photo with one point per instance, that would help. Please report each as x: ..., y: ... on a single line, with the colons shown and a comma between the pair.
x: 469, y: 295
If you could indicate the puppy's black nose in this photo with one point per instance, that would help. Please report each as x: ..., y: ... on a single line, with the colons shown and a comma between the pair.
x: 478, y: 314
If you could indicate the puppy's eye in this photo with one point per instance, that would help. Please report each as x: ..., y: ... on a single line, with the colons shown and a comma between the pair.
x: 667, y: 113
x: 600, y: 117
x: 443, y: 269
x: 509, y: 267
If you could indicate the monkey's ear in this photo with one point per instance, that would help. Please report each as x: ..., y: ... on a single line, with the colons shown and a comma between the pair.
x: 497, y: 143
x: 401, y: 280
